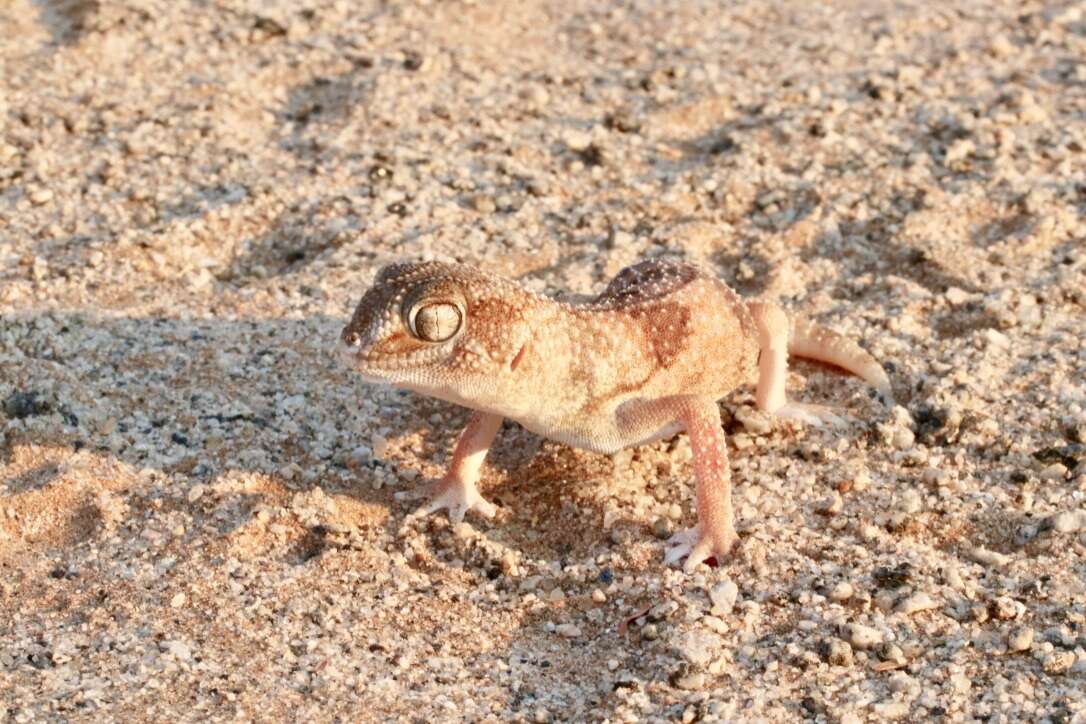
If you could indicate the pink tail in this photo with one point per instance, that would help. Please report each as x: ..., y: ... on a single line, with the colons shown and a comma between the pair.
x: 807, y: 339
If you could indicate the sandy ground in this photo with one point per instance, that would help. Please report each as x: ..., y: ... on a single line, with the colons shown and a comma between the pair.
x: 202, y: 515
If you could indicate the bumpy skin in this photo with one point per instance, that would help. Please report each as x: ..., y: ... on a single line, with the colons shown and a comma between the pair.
x: 646, y: 359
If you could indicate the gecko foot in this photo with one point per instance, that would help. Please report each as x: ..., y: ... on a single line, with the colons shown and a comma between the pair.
x: 816, y: 415
x: 458, y: 498
x: 697, y: 547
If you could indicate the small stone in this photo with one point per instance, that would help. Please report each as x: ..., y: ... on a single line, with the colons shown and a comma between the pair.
x: 715, y: 624
x: 484, y: 204
x: 1005, y: 608
x: 413, y: 60
x: 903, y: 438
x: 21, y: 405
x: 650, y: 632
x: 599, y: 596
x: 569, y: 630
x: 622, y: 121
x: 957, y: 296
x: 1066, y: 522
x: 891, y: 709
x: 892, y: 652
x: 661, y: 528
x: 996, y: 339
x: 836, y: 652
x: 178, y: 601
x: 697, y: 647
x: 196, y: 492
x: 724, y: 595
x: 612, y: 664
x: 687, y: 679
x: 910, y: 502
x: 862, y: 637
x: 1058, y: 662
x: 1020, y: 638
x: 755, y: 421
x: 989, y: 558
x: 915, y: 603
x: 1054, y: 471
x: 41, y: 196
x: 830, y: 505
x: 841, y: 592
x: 177, y: 649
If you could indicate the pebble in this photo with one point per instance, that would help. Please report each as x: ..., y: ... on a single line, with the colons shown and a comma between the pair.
x: 755, y: 421
x: 41, y: 196
x: 698, y: 647
x: 862, y: 637
x: 724, y: 595
x: 484, y: 204
x: 661, y: 528
x: 830, y: 505
x: 891, y: 709
x: 892, y: 652
x: 1066, y: 521
x: 989, y: 558
x: 714, y: 623
x: 1020, y: 638
x: 1005, y: 608
x: 910, y: 502
x: 1058, y: 662
x: 688, y: 680
x: 836, y: 652
x: 178, y: 600
x: 841, y: 592
x: 569, y: 630
x: 903, y: 438
x: 915, y: 603
x: 177, y: 649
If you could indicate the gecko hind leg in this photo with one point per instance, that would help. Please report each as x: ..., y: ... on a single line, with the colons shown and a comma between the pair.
x: 772, y: 324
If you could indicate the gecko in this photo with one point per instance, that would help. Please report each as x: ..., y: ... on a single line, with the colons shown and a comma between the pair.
x: 646, y: 359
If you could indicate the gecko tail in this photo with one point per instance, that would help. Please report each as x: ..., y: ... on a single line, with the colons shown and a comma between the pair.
x: 811, y: 341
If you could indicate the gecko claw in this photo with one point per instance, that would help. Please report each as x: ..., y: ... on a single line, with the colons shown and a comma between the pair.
x: 815, y: 415
x: 459, y: 499
x: 698, y: 548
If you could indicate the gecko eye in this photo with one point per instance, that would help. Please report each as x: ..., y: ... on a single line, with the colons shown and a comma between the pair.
x: 435, y: 322
x: 353, y: 339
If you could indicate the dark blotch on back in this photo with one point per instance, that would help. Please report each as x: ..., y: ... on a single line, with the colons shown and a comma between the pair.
x: 644, y: 282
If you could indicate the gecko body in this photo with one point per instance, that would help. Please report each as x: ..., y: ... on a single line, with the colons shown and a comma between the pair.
x: 647, y: 358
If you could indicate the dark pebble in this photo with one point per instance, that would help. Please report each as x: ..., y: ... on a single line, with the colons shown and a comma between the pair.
x: 21, y: 405
x: 591, y: 155
x: 412, y: 60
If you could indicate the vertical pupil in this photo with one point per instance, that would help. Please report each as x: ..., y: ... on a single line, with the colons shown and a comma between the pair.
x: 437, y: 322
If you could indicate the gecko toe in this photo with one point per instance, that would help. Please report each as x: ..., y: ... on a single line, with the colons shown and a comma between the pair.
x: 458, y: 499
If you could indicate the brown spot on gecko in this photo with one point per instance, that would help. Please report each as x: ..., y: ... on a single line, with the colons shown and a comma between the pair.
x: 666, y: 329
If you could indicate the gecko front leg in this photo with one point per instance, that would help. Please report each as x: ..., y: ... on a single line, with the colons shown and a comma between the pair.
x: 456, y: 490
x: 714, y: 535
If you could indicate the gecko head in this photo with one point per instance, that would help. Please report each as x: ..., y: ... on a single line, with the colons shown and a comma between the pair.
x: 440, y: 329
